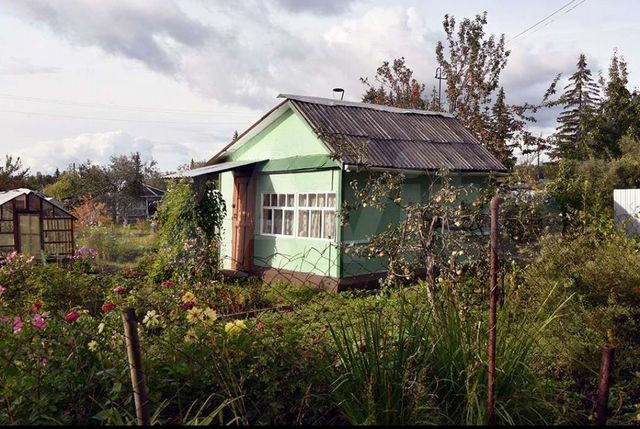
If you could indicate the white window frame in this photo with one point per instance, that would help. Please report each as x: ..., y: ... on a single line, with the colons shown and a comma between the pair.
x: 277, y: 206
x: 296, y: 209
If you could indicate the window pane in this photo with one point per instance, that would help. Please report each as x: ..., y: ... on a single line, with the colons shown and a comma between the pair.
x: 6, y: 239
x: 34, y: 203
x: 312, y: 200
x: 331, y: 200
x: 290, y: 200
x: 282, y: 200
x: 321, y: 200
x: 303, y: 223
x: 302, y: 200
x: 20, y: 202
x: 288, y: 222
x: 315, y: 229
x: 7, y: 211
x: 274, y: 199
x: 277, y: 221
x: 265, y: 200
x: 47, y: 208
x: 329, y: 224
x: 267, y: 221
x: 6, y: 226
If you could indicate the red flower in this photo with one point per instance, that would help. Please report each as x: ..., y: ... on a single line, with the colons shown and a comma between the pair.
x: 261, y: 326
x: 188, y: 305
x: 120, y: 290
x: 168, y: 284
x: 107, y: 308
x: 36, y: 307
x: 72, y: 317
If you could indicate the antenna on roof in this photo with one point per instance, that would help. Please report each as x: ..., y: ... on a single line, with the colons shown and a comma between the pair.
x: 340, y: 90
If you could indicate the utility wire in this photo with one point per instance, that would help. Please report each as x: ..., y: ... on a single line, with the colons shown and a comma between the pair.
x: 209, y: 123
x: 117, y: 107
x: 546, y: 18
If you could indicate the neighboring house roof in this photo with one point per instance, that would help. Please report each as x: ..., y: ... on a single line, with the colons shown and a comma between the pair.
x: 6, y: 196
x: 383, y: 137
x: 151, y: 191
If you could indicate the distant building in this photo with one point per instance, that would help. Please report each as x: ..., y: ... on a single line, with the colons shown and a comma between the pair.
x: 34, y: 225
x: 140, y: 208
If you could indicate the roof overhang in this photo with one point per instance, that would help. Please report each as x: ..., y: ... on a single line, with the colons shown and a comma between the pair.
x: 212, y: 169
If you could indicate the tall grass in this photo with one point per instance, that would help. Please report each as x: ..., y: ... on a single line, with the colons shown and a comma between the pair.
x: 407, y: 364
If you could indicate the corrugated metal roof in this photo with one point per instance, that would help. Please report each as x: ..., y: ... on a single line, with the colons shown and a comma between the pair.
x: 388, y: 137
x: 211, y: 169
x: 7, y: 196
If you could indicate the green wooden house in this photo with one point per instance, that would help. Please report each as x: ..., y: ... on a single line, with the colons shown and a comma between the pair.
x: 286, y: 178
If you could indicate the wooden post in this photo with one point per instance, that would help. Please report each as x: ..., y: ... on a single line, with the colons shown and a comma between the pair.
x: 495, y: 231
x: 606, y: 369
x: 135, y: 367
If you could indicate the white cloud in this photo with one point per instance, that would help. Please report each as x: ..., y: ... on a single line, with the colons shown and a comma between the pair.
x: 99, y: 147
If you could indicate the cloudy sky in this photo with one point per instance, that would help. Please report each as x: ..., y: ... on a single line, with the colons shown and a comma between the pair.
x: 85, y: 79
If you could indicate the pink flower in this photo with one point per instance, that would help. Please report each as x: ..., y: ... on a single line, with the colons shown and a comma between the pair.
x: 218, y: 244
x: 107, y: 308
x: 2, y: 289
x: 72, y: 317
x: 188, y: 305
x: 261, y: 326
x: 39, y: 321
x: 168, y: 284
x: 36, y: 307
x: 44, y: 361
x: 17, y: 325
x: 6, y: 319
x: 120, y: 290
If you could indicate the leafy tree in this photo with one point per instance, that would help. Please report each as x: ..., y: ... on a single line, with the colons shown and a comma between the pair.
x: 580, y: 100
x: 12, y: 174
x: 471, y: 63
x: 395, y: 86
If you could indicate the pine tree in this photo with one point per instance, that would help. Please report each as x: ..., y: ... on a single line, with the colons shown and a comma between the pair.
x: 618, y: 115
x: 580, y: 99
x: 501, y: 126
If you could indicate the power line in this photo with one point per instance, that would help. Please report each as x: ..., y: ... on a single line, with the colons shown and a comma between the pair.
x: 546, y: 18
x: 56, y: 115
x: 117, y: 107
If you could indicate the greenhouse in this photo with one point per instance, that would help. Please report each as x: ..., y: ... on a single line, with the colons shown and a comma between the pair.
x: 34, y: 225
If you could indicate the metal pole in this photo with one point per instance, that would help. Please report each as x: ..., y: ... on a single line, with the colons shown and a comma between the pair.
x: 495, y: 230
x: 608, y: 354
x: 135, y: 367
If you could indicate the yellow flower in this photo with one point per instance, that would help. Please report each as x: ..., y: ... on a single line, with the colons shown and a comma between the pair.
x: 235, y: 328
x: 191, y: 337
x: 195, y: 315
x: 101, y: 327
x: 210, y: 315
x: 92, y: 346
x: 189, y: 297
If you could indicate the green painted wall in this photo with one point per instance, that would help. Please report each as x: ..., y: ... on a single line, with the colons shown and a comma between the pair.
x: 367, y: 222
x: 288, y: 137
x: 290, y: 252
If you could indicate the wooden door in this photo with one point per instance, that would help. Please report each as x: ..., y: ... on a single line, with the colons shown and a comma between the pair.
x: 243, y: 224
x: 29, y: 232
